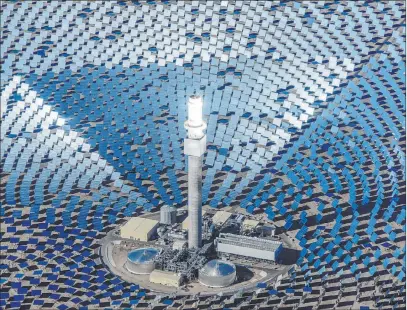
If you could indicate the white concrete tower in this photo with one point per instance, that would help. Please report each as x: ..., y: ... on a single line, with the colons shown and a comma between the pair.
x: 194, y: 148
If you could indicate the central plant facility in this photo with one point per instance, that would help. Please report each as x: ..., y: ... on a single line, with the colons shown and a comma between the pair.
x: 202, y: 247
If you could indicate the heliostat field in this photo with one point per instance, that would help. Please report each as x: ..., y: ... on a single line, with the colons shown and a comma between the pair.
x: 305, y: 110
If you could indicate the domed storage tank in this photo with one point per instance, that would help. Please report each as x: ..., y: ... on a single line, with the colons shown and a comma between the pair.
x: 168, y: 215
x: 141, y: 261
x: 217, y: 273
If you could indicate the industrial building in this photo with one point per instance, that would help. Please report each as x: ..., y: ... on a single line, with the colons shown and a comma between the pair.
x: 165, y: 278
x: 139, y: 228
x: 249, y: 224
x: 221, y: 217
x: 265, y: 230
x: 258, y: 248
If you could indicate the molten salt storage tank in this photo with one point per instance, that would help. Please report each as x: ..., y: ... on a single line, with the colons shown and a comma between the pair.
x: 141, y: 261
x: 168, y: 215
x: 217, y: 273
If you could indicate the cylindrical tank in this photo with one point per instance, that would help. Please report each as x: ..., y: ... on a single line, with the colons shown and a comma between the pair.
x: 168, y: 215
x: 141, y: 261
x: 217, y: 273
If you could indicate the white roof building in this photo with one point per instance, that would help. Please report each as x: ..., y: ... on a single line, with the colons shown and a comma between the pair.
x: 249, y: 224
x: 139, y: 228
x: 221, y: 217
x: 165, y: 278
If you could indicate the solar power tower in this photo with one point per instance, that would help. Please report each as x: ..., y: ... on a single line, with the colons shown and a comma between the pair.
x: 194, y: 148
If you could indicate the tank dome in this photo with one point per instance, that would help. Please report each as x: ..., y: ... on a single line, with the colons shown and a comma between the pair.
x: 217, y: 273
x: 142, y: 256
x: 141, y: 261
